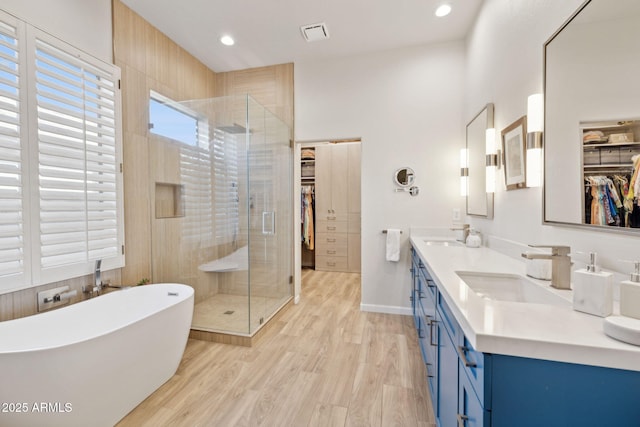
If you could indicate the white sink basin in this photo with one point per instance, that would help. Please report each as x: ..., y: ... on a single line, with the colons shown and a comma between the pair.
x: 443, y: 242
x: 509, y: 287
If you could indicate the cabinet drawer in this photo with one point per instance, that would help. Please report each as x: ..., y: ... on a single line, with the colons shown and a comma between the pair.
x: 331, y: 239
x: 610, y: 155
x: 331, y: 263
x: 476, y: 366
x: 429, y: 284
x: 450, y: 322
x: 331, y: 216
x: 324, y: 226
x: 331, y: 250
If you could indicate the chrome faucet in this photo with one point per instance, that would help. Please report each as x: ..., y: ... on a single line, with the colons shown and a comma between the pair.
x: 97, y: 280
x: 465, y: 231
x: 560, y: 264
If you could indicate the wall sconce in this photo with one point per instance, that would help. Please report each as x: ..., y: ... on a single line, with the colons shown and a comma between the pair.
x: 464, y: 172
x: 535, y: 125
x: 492, y: 159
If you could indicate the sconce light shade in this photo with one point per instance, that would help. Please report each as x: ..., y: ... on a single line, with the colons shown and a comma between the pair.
x: 492, y: 160
x: 535, y: 113
x: 535, y: 126
x: 464, y: 172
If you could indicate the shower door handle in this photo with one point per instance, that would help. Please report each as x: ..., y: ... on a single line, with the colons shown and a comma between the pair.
x: 268, y: 222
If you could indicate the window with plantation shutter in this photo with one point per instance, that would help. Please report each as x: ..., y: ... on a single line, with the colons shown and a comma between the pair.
x: 78, y: 160
x: 12, y: 221
x: 60, y: 160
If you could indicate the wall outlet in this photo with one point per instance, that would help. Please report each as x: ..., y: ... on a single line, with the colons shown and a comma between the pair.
x: 455, y: 214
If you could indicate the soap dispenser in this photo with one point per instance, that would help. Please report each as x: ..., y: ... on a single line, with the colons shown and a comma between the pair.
x: 473, y: 239
x: 593, y: 290
x: 630, y: 295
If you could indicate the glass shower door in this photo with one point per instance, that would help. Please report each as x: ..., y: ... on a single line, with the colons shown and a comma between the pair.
x: 270, y: 207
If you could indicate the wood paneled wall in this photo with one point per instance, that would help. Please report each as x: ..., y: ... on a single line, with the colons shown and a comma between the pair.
x: 271, y: 86
x: 149, y: 60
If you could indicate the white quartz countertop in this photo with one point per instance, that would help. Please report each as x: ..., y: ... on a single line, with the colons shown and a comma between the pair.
x: 536, y: 331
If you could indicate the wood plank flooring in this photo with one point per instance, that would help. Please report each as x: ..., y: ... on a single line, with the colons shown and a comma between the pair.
x: 324, y: 363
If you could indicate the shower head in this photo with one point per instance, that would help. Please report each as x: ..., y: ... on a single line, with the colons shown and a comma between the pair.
x: 234, y: 129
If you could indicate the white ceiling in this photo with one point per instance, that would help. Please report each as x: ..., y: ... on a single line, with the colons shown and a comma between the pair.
x: 267, y: 32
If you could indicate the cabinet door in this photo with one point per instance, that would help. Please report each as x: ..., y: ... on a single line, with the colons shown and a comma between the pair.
x: 340, y: 178
x: 447, y: 377
x: 323, y: 181
x: 354, y: 178
x: 470, y: 412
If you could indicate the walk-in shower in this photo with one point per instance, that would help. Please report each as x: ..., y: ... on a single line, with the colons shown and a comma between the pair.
x: 222, y: 209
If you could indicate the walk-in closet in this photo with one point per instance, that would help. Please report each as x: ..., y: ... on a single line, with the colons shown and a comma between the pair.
x: 330, y: 206
x: 611, y: 172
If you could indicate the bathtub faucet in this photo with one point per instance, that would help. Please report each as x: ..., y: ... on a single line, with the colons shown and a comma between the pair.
x: 97, y: 281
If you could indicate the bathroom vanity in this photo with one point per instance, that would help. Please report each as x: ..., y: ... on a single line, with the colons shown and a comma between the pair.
x: 501, y: 349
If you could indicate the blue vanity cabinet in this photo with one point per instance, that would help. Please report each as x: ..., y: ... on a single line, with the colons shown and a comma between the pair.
x: 474, y: 389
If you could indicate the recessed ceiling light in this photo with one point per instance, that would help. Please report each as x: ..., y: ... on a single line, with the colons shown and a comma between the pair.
x: 227, y: 40
x: 443, y: 10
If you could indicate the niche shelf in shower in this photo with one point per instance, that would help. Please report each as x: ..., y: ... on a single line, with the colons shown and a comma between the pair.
x: 169, y: 200
x: 236, y: 261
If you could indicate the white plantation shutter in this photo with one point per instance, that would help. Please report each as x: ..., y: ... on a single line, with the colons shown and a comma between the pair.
x: 60, y: 159
x: 12, y: 204
x: 227, y: 199
x: 78, y: 159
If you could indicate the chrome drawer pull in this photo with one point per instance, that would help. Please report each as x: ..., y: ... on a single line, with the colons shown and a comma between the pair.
x: 331, y: 228
x: 331, y: 240
x: 331, y: 252
x: 462, y: 352
x: 427, y: 366
x: 462, y: 420
x: 331, y: 264
x: 331, y: 218
x: 432, y: 322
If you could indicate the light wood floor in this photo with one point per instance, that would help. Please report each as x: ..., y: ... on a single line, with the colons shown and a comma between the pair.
x: 324, y: 363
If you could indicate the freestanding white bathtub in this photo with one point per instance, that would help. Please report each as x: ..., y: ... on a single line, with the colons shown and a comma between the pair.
x: 91, y: 363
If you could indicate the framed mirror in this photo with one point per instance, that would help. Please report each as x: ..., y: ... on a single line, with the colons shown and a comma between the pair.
x: 592, y: 113
x: 479, y: 202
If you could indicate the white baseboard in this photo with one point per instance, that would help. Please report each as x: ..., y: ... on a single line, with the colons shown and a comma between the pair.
x: 388, y: 309
x: 296, y: 300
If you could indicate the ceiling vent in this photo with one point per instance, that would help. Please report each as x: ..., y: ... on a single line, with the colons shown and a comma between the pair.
x: 314, y: 32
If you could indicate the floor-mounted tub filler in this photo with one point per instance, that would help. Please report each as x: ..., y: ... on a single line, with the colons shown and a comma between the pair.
x: 91, y: 363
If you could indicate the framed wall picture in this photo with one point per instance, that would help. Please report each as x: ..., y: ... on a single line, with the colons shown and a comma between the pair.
x: 513, y: 146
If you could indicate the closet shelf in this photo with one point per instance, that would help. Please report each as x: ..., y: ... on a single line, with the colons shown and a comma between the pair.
x: 610, y: 166
x: 612, y: 144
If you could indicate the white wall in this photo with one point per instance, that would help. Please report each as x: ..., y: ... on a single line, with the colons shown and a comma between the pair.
x: 85, y: 24
x: 406, y: 105
x: 504, y: 65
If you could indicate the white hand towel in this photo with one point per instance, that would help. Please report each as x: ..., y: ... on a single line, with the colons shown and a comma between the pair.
x: 393, y: 245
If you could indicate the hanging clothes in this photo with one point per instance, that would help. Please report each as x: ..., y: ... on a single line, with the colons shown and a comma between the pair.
x: 308, y: 204
x: 608, y: 201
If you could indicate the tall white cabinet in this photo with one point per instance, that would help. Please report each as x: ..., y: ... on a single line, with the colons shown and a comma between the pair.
x: 337, y: 190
